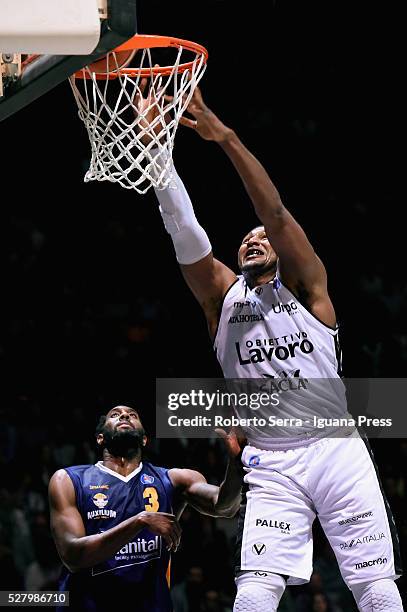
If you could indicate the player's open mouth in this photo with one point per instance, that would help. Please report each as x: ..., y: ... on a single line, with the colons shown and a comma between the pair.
x: 124, y: 425
x: 252, y: 253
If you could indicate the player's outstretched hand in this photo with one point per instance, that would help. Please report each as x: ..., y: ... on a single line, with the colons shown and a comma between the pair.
x: 163, y: 524
x: 205, y: 122
x: 153, y: 116
x: 234, y: 441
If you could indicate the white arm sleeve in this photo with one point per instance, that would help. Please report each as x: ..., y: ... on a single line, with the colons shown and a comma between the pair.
x: 190, y: 240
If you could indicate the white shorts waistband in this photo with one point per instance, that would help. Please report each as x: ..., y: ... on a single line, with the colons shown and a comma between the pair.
x: 302, y: 440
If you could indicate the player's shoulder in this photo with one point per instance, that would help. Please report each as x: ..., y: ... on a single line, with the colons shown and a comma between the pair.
x: 172, y: 477
x: 60, y: 484
x: 70, y: 473
x: 236, y: 288
x: 79, y: 469
x: 150, y: 471
x: 73, y: 469
x: 237, y: 284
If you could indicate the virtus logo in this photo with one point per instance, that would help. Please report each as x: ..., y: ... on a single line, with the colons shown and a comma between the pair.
x: 259, y: 548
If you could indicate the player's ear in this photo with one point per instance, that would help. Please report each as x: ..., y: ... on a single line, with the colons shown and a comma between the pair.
x: 99, y: 439
x: 145, y: 440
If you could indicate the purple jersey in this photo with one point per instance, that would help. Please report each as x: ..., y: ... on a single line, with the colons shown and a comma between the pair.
x: 137, y: 575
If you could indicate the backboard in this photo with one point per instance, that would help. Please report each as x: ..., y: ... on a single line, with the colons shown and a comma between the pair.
x: 106, y: 24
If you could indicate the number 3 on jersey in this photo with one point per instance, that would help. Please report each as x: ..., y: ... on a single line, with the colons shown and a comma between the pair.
x: 151, y: 496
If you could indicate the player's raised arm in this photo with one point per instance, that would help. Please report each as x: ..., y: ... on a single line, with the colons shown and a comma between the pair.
x: 207, y: 277
x: 300, y: 268
x: 210, y: 499
x: 76, y: 549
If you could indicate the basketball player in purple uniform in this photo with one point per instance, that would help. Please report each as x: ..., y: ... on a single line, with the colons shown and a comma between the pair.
x: 115, y: 523
x: 276, y: 320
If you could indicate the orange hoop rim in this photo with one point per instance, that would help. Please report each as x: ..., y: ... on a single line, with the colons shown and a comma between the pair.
x: 148, y: 41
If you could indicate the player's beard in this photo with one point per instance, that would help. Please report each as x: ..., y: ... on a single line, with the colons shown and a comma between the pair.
x: 123, y: 443
x: 254, y: 269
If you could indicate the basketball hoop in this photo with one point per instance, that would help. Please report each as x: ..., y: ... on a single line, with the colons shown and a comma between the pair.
x: 130, y: 146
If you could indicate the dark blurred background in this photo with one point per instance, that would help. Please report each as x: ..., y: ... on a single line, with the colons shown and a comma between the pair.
x: 94, y: 307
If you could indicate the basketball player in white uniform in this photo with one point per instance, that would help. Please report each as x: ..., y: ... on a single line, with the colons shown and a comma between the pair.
x: 276, y: 320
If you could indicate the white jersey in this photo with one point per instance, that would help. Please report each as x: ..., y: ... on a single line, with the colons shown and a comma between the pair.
x: 266, y: 333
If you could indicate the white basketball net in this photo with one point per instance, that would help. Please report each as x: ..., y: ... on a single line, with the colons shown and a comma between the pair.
x: 117, y: 130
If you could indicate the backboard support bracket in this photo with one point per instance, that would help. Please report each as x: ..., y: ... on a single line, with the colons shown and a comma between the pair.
x: 47, y: 71
x: 10, y: 68
x: 102, y: 8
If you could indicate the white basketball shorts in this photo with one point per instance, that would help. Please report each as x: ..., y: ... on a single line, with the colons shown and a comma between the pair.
x: 332, y: 478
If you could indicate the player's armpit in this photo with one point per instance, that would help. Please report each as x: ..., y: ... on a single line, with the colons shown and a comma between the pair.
x: 209, y: 279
